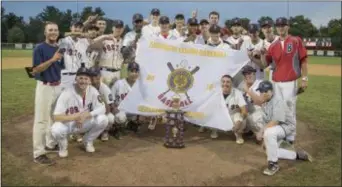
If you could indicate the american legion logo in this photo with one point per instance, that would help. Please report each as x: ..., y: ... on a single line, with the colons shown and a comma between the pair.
x: 180, y: 80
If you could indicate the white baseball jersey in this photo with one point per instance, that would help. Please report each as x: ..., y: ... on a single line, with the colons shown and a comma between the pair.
x: 260, y: 74
x: 250, y: 105
x: 222, y: 45
x: 106, y: 93
x: 176, y: 33
x: 110, y: 55
x: 149, y: 30
x: 235, y: 41
x: 170, y: 36
x: 129, y: 38
x: 120, y: 89
x: 70, y: 102
x: 75, y: 53
x: 235, y: 98
x: 267, y: 44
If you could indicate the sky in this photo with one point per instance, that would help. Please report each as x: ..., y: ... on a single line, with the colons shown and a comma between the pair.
x: 319, y: 12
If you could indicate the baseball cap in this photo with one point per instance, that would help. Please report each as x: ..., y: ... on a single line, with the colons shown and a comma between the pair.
x: 215, y: 29
x: 164, y: 20
x: 133, y: 66
x: 281, y: 21
x: 265, y: 86
x: 94, y: 71
x: 267, y: 22
x: 77, y: 24
x: 253, y: 28
x: 248, y: 69
x: 179, y: 16
x: 82, y: 70
x: 192, y: 21
x: 236, y: 21
x: 118, y: 23
x: 155, y: 11
x: 204, y: 21
x: 137, y: 17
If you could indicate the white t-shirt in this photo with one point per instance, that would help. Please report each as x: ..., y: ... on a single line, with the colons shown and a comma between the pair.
x: 120, y: 89
x: 235, y: 98
x: 110, y: 54
x: 70, y: 102
x: 149, y: 30
x: 75, y: 53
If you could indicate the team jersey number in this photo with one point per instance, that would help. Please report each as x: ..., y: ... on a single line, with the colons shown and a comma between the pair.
x: 72, y: 110
x: 112, y: 47
x: 71, y: 52
x: 120, y: 97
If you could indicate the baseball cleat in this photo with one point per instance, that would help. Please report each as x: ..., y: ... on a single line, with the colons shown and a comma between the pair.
x: 239, y: 139
x: 272, y: 168
x: 44, y: 160
x: 63, y: 153
x: 201, y: 129
x: 214, y: 134
x: 104, y: 136
x: 303, y: 155
x: 89, y: 147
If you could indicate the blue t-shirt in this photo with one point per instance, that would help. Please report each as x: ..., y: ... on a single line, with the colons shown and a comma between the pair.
x: 42, y: 53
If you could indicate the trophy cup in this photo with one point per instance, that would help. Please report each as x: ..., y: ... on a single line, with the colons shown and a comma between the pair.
x: 174, y: 125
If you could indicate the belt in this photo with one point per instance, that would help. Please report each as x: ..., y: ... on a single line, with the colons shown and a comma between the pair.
x: 52, y: 83
x: 69, y: 73
x: 109, y: 69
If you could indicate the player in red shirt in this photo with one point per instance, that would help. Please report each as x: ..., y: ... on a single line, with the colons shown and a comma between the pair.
x: 288, y: 58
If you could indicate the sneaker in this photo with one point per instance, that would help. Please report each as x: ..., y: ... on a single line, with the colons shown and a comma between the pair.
x: 89, y: 147
x: 44, y: 160
x: 214, y: 134
x: 104, y: 136
x: 272, y: 168
x: 52, y: 150
x: 201, y: 129
x: 63, y: 153
x: 303, y: 155
x: 239, y: 139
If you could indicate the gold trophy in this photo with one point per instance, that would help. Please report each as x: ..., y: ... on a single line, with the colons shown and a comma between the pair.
x: 174, y: 125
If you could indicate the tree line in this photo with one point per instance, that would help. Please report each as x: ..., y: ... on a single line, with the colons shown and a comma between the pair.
x: 15, y: 30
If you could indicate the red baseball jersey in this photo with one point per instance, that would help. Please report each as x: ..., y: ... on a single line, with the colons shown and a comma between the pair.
x: 286, y: 59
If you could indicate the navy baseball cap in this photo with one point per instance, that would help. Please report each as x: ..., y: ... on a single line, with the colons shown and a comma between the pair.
x: 155, y: 11
x: 267, y: 22
x: 236, y: 21
x: 118, y: 23
x: 164, y: 20
x: 133, y: 66
x: 179, y: 16
x: 215, y: 29
x: 253, y: 28
x: 137, y: 17
x: 94, y: 71
x: 204, y: 21
x: 281, y: 21
x: 192, y: 21
x: 248, y: 69
x: 83, y: 71
x: 265, y: 86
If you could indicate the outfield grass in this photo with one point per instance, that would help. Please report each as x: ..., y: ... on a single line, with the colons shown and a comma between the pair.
x: 16, y: 53
x: 319, y: 107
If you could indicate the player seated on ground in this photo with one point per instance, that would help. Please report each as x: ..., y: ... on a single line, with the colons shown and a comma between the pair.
x: 119, y: 90
x: 254, y: 120
x: 236, y: 106
x: 79, y: 109
x: 278, y: 124
x: 107, y: 96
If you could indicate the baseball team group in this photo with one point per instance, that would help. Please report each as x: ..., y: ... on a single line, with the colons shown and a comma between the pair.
x: 83, y: 75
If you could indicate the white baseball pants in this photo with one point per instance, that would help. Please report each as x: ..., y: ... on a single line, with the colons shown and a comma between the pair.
x: 288, y: 92
x: 108, y: 76
x: 44, y: 101
x: 254, y: 121
x: 237, y: 118
x: 111, y: 120
x: 92, y: 127
x: 273, y: 137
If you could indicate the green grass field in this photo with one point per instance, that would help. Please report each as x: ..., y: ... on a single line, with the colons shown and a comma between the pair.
x: 319, y: 107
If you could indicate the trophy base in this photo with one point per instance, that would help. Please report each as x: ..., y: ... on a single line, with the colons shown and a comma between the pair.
x: 174, y: 146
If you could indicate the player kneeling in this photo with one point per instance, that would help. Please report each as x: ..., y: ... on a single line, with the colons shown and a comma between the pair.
x: 106, y: 95
x: 120, y: 89
x: 279, y: 124
x: 79, y: 109
x: 254, y: 121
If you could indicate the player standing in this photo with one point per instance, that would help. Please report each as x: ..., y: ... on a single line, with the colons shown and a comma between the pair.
x: 204, y: 36
x: 153, y: 28
x: 165, y: 33
x: 47, y: 71
x: 79, y: 109
x: 214, y: 18
x: 110, y: 59
x: 279, y: 123
x: 215, y: 40
x: 102, y: 25
x: 192, y: 30
x: 236, y: 39
x: 179, y: 31
x: 288, y: 57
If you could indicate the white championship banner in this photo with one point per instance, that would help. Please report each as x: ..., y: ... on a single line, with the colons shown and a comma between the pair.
x: 192, y: 72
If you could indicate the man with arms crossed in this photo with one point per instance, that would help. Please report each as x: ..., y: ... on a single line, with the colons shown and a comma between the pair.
x: 153, y: 28
x: 47, y: 72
